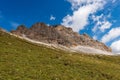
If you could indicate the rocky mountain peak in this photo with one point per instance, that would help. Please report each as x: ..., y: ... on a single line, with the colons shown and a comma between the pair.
x: 21, y: 27
x: 59, y: 35
x: 59, y: 27
x: 38, y: 25
x: 62, y: 28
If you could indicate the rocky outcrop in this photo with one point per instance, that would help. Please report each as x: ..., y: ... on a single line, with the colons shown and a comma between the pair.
x: 60, y: 35
x: 20, y: 30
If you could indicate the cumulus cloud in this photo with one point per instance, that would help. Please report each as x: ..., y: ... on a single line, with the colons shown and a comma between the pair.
x: 105, y: 25
x: 111, y: 35
x: 101, y: 23
x: 78, y: 3
x: 97, y: 19
x: 116, y: 47
x: 82, y: 9
x: 52, y: 17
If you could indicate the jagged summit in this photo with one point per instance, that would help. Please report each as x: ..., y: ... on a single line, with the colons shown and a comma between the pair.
x: 59, y: 35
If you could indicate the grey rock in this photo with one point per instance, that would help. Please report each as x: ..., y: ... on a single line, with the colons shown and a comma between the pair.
x: 59, y: 34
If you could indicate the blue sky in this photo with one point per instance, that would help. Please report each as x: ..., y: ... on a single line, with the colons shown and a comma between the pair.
x: 98, y: 18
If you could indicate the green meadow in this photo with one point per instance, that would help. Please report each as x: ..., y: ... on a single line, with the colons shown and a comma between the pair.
x: 22, y: 60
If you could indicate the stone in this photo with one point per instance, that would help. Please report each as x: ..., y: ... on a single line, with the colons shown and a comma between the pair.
x: 60, y: 35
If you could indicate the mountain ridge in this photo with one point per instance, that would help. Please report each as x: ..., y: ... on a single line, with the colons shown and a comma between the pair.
x: 60, y: 35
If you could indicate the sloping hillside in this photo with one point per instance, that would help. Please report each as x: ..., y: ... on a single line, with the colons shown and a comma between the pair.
x: 22, y: 60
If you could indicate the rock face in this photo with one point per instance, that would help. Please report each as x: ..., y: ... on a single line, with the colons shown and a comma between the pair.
x: 60, y: 35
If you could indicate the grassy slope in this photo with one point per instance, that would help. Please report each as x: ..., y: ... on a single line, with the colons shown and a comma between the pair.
x: 21, y: 60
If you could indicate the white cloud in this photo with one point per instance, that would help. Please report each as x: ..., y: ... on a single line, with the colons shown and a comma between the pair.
x: 111, y: 35
x: 82, y: 9
x: 105, y: 25
x: 52, y: 17
x: 78, y: 3
x: 97, y: 19
x: 101, y: 23
x: 116, y: 46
